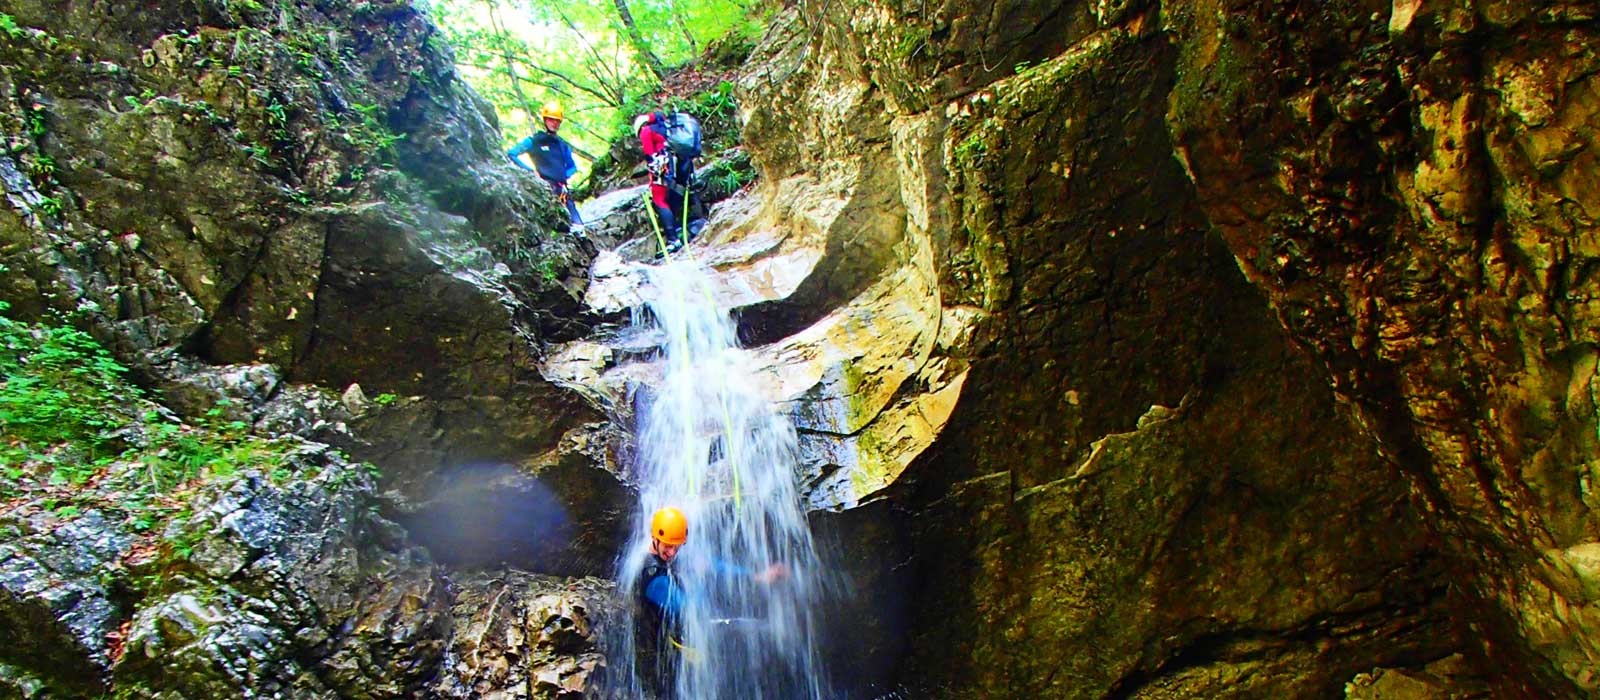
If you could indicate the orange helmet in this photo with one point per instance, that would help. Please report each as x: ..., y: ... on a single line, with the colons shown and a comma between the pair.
x: 552, y: 110
x: 669, y: 526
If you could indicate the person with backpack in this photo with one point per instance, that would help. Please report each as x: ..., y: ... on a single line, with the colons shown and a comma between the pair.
x: 671, y: 142
x: 552, y: 157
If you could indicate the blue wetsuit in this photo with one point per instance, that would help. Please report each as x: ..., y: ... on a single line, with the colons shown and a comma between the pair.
x: 552, y: 160
x: 658, y: 625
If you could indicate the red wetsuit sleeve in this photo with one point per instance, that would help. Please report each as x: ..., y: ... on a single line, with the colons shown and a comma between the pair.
x: 651, y: 141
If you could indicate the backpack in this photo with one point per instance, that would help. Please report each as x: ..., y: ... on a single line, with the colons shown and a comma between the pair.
x: 682, y: 131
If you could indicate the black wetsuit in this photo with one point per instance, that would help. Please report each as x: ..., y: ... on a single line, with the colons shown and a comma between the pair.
x: 657, y: 626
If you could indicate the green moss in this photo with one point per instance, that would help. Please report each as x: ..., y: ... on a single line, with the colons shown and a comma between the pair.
x: 911, y: 40
x: 872, y: 467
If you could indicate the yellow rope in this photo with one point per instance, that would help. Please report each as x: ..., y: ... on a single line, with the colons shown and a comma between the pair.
x: 727, y: 424
x: 650, y: 209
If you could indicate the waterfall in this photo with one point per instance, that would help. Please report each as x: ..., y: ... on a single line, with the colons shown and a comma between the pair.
x: 710, y: 446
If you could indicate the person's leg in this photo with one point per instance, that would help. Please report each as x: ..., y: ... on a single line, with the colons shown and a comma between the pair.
x: 660, y: 203
x: 572, y: 210
x: 696, y: 212
x: 675, y: 204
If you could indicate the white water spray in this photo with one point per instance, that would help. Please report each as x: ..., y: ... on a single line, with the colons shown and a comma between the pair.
x: 710, y: 446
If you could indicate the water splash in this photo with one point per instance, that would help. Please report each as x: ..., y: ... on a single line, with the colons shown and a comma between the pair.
x: 709, y: 445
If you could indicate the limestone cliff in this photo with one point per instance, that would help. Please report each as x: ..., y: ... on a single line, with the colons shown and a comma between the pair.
x: 1270, y: 318
x: 303, y: 187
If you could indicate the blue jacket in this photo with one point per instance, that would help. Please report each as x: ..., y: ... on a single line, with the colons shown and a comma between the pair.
x: 662, y: 589
x: 552, y: 157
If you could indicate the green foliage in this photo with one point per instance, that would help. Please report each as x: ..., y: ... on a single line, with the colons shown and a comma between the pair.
x: 369, y: 135
x: 716, y: 103
x: 727, y: 175
x: 912, y: 40
x: 385, y: 399
x: 42, y: 167
x: 8, y: 24
x: 577, y: 52
x: 51, y: 206
x: 35, y: 118
x: 972, y: 148
x: 55, y: 384
x: 69, y: 417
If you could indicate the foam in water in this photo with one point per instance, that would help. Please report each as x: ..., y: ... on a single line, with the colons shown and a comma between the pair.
x: 707, y: 444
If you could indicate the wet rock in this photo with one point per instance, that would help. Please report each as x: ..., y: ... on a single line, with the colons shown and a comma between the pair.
x: 1414, y: 213
x: 287, y: 583
x: 1446, y: 679
x: 565, y: 518
x: 524, y: 636
x: 59, y: 610
x: 1067, y: 540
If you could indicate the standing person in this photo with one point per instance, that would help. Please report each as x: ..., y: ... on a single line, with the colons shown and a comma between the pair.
x: 671, y: 142
x: 551, y: 155
x: 658, y: 625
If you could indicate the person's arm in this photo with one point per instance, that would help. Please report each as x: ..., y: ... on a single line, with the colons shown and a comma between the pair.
x: 664, y: 595
x: 572, y: 165
x: 771, y: 573
x: 651, y: 141
x: 722, y: 567
x: 515, y: 154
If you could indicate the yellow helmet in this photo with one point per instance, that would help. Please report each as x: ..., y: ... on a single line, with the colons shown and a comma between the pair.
x: 669, y: 526
x: 552, y: 110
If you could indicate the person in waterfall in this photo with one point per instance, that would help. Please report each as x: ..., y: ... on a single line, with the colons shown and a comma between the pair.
x: 671, y: 142
x: 551, y: 156
x: 662, y: 598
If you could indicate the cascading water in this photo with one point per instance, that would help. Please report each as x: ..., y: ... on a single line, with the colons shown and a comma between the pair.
x: 710, y: 446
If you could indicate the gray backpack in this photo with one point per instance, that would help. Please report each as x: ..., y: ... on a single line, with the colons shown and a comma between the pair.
x: 682, y: 131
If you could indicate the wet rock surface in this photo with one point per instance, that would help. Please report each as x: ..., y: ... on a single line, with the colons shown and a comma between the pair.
x: 291, y: 587
x: 1112, y: 337
x: 293, y: 218
x: 525, y: 636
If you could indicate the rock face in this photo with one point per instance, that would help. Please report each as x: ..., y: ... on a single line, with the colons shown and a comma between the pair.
x: 1132, y: 492
x: 1184, y: 349
x: 306, y: 188
x: 1420, y: 210
x: 522, y: 636
x: 297, y: 207
x: 293, y: 590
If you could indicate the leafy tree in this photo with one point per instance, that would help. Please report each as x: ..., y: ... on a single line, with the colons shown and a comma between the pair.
x: 597, y: 57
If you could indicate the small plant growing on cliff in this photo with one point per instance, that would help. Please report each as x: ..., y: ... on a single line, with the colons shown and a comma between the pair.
x: 8, y: 24
x: 370, y: 135
x: 385, y: 399
x: 36, y: 121
x: 972, y: 148
x: 42, y: 166
x: 55, y: 380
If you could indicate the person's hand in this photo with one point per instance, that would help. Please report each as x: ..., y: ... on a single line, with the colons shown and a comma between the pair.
x: 773, y: 573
